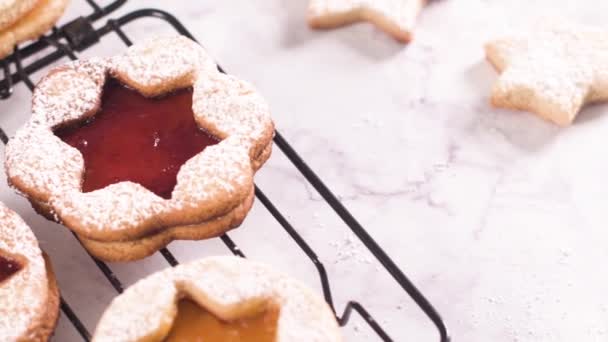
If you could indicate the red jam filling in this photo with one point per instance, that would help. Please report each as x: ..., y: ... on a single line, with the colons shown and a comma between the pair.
x: 137, y: 139
x: 8, y: 267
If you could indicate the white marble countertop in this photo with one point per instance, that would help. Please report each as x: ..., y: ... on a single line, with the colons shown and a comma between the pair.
x: 497, y: 216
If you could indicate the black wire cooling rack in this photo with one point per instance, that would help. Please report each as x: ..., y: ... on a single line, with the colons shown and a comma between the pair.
x: 78, y: 35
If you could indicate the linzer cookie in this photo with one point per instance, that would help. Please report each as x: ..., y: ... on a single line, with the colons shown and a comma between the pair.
x: 218, y: 299
x: 395, y: 17
x: 27, y: 20
x: 28, y: 291
x: 552, y: 70
x: 137, y: 150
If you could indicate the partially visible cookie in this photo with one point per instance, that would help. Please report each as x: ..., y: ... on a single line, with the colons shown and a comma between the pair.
x: 395, y: 17
x: 32, y: 25
x: 13, y: 10
x: 28, y: 290
x: 213, y: 298
x: 552, y: 70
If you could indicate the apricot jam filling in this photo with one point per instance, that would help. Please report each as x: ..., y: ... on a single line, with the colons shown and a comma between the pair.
x: 193, y: 323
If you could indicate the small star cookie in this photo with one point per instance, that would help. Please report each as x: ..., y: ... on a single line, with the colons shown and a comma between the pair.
x: 396, y: 17
x: 552, y: 71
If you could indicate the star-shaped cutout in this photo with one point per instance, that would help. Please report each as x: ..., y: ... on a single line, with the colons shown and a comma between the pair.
x: 153, y: 184
x: 138, y: 139
x: 552, y: 71
x: 396, y: 17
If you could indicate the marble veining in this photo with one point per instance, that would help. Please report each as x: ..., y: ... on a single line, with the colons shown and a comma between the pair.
x: 497, y: 216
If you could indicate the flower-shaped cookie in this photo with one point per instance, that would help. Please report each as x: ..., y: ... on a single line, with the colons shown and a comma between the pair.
x: 28, y: 291
x: 225, y: 289
x: 124, y: 221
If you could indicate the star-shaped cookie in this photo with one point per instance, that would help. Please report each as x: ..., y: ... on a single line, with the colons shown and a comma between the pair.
x: 396, y: 17
x: 552, y: 70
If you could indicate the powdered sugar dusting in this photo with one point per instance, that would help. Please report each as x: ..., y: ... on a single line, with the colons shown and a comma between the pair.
x: 24, y: 295
x: 219, y: 172
x: 227, y: 106
x: 226, y: 286
x: 162, y: 64
x: 40, y: 164
x: 121, y: 207
x: 210, y: 184
x: 68, y: 93
x: 350, y: 249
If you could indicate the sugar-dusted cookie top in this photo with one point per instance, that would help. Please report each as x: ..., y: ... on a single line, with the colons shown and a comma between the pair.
x: 230, y: 288
x: 396, y: 17
x: 552, y: 70
x: 209, y: 184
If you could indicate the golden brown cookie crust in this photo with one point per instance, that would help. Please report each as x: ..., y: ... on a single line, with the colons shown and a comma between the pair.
x: 395, y: 17
x: 146, y: 246
x: 553, y: 69
x: 32, y: 25
x: 214, y: 183
x: 43, y: 326
x: 228, y: 287
x: 30, y: 305
x: 13, y: 10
